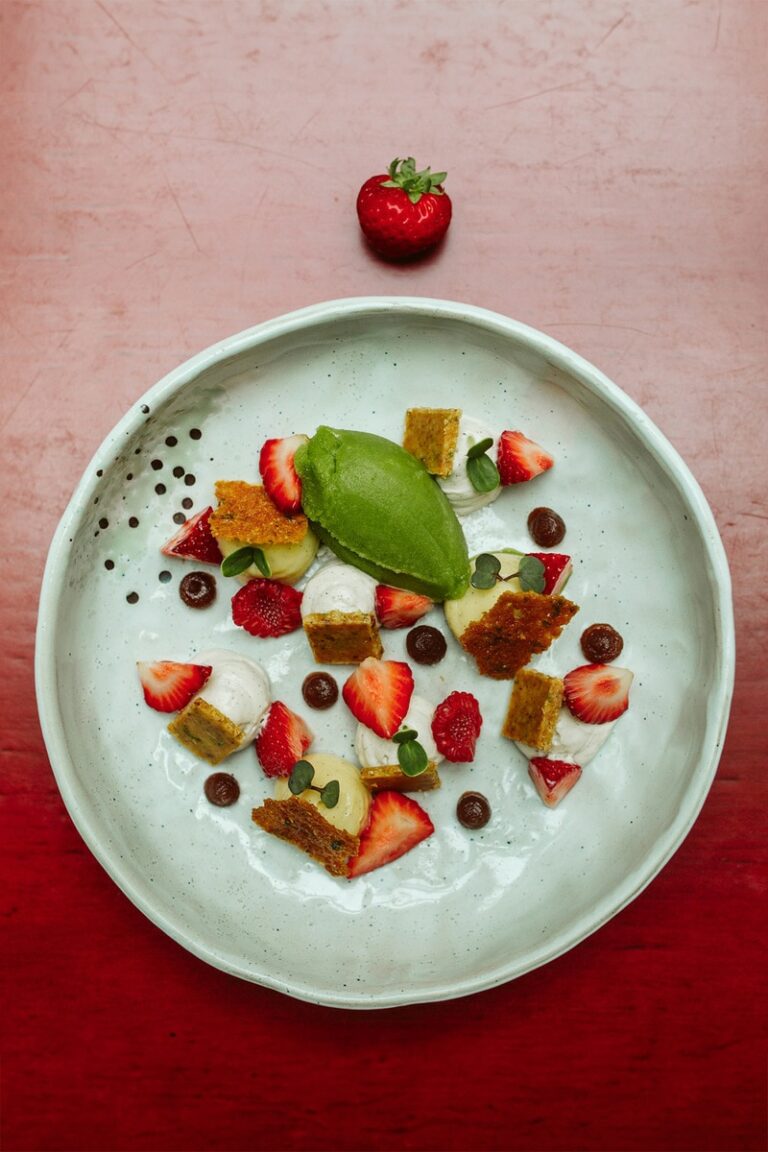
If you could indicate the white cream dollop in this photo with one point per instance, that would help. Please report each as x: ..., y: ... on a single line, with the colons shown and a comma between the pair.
x: 238, y: 687
x: 573, y: 741
x: 457, y: 485
x: 374, y: 751
x: 351, y: 812
x: 338, y: 587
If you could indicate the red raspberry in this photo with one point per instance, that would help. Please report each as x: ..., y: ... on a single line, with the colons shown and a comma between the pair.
x: 456, y: 726
x: 267, y: 608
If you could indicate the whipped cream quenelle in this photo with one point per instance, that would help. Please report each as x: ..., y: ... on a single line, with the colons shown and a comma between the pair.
x: 338, y: 587
x: 351, y: 812
x: 239, y: 688
x: 457, y: 485
x: 573, y: 741
x: 376, y: 752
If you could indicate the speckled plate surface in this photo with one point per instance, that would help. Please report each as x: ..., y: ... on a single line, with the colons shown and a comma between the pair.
x: 464, y: 911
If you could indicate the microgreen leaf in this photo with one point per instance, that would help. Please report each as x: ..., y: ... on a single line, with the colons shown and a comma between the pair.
x: 486, y: 571
x: 412, y: 758
x: 330, y: 794
x: 300, y: 777
x: 237, y: 562
x: 261, y: 562
x: 479, y: 448
x: 483, y: 473
x: 404, y: 735
x: 531, y: 574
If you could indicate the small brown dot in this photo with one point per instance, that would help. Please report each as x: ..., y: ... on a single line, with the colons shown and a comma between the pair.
x: 179, y: 518
x: 145, y: 409
x: 129, y: 476
x: 171, y: 441
x: 99, y: 471
x: 132, y: 597
x: 157, y: 465
x: 160, y: 489
x: 109, y: 565
x: 189, y: 479
x: 103, y: 523
x: 195, y: 433
x: 178, y: 470
x: 133, y: 522
x: 164, y: 576
x: 187, y: 502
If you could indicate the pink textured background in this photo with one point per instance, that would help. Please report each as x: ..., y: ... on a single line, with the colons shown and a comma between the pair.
x: 174, y: 172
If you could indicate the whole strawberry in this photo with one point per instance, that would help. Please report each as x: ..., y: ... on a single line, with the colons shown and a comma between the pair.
x: 405, y: 213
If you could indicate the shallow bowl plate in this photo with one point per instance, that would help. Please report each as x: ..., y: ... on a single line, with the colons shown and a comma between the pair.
x: 464, y: 911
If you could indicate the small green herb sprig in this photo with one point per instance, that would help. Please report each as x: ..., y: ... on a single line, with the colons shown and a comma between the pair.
x: 411, y: 756
x: 530, y: 572
x: 243, y: 558
x: 481, y: 470
x: 301, y: 777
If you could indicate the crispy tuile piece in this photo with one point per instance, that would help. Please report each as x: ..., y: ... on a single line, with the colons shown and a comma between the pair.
x: 205, y: 731
x: 519, y: 625
x: 245, y: 513
x: 305, y: 827
x: 534, y: 706
x: 392, y: 777
x: 342, y: 637
x: 431, y: 435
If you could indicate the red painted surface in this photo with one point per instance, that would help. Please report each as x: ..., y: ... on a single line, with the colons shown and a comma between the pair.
x: 172, y: 173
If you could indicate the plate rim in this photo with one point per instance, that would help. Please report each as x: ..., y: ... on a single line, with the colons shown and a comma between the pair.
x: 563, y: 358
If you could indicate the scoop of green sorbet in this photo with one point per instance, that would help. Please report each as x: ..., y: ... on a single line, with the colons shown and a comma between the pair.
x: 378, y: 508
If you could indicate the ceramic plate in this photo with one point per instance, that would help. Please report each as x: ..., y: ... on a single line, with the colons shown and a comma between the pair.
x: 464, y: 911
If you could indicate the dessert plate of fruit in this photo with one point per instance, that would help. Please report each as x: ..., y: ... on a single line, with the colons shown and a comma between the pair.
x: 385, y: 652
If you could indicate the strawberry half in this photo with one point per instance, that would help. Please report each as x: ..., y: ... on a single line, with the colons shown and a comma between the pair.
x: 456, y: 726
x: 520, y: 459
x: 282, y: 740
x: 169, y: 686
x: 396, y: 608
x: 378, y: 694
x: 596, y: 693
x: 552, y: 778
x: 396, y: 823
x: 195, y: 541
x: 280, y: 478
x: 267, y: 608
x: 557, y: 570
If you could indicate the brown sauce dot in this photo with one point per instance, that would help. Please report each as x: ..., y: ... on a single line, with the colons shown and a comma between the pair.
x: 320, y: 690
x: 195, y: 433
x: 546, y: 527
x: 133, y: 522
x: 156, y: 464
x: 473, y: 810
x: 187, y: 502
x: 160, y: 489
x: 189, y: 479
x: 129, y: 476
x: 179, y: 518
x: 103, y: 523
x: 178, y: 471
x: 109, y: 565
x: 99, y: 471
x: 164, y: 577
x: 198, y: 589
x: 601, y: 643
x: 171, y: 441
x: 221, y: 789
x: 132, y: 597
x: 425, y: 644
x: 145, y: 409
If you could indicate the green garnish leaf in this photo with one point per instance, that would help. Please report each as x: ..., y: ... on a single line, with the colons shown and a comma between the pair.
x: 483, y: 473
x: 404, y: 735
x: 531, y: 574
x: 301, y: 777
x: 412, y: 758
x: 330, y: 794
x: 261, y: 562
x: 486, y: 571
x: 479, y: 448
x: 237, y: 562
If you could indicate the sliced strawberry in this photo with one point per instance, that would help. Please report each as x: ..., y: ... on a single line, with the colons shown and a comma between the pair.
x: 168, y: 685
x: 267, y: 608
x: 378, y: 694
x: 396, y: 824
x: 456, y: 726
x: 195, y: 541
x: 519, y: 458
x: 278, y: 473
x: 596, y: 693
x: 552, y: 778
x: 282, y: 740
x: 557, y: 570
x: 396, y: 608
